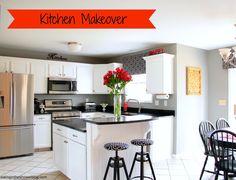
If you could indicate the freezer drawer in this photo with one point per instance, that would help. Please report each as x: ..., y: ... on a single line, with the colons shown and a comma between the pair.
x: 16, y: 140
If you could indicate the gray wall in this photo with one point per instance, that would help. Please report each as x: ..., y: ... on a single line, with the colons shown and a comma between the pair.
x: 79, y: 100
x: 43, y: 55
x: 218, y: 87
x: 191, y: 110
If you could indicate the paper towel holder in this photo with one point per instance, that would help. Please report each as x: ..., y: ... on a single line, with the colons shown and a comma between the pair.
x: 162, y: 96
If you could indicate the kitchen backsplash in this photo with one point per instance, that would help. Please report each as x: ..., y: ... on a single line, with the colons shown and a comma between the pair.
x: 79, y: 100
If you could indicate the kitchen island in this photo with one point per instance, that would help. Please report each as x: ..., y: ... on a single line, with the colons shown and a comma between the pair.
x: 88, y: 159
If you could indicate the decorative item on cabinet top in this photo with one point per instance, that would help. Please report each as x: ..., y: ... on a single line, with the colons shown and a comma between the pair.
x: 54, y: 56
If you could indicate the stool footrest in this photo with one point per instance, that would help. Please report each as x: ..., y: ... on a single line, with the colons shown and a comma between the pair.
x: 140, y: 176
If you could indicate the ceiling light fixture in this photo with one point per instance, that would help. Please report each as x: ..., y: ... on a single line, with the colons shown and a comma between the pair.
x: 228, y: 55
x: 74, y: 46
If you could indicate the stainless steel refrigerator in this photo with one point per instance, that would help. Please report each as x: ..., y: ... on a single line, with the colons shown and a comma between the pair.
x: 16, y: 114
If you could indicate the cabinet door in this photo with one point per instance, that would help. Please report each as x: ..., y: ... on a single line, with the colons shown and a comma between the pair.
x: 154, y: 77
x: 4, y: 65
x: 19, y: 66
x: 77, y: 161
x: 85, y: 79
x: 39, y: 70
x: 60, y: 150
x: 98, y: 72
x: 69, y: 70
x: 42, y: 131
x: 55, y: 69
x: 162, y: 134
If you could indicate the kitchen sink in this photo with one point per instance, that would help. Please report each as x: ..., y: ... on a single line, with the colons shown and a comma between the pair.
x: 129, y: 113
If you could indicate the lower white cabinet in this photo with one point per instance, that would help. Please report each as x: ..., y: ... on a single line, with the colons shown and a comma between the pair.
x: 69, y: 147
x: 42, y: 131
x: 162, y: 134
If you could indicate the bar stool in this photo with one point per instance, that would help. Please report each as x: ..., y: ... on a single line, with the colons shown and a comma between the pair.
x: 116, y: 162
x: 142, y: 157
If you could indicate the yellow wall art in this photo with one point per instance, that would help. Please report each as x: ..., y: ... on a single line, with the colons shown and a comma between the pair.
x: 194, y: 81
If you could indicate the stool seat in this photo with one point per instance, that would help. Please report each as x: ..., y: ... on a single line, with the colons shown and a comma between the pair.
x: 116, y: 162
x: 116, y: 146
x: 142, y: 142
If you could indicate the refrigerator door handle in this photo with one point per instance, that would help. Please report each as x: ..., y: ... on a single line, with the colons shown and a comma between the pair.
x: 11, y: 101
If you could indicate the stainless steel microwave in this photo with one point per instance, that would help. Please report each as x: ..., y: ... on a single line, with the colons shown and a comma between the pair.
x: 62, y: 85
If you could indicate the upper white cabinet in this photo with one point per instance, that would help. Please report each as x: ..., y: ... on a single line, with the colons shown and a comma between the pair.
x: 69, y: 70
x: 62, y: 69
x: 99, y: 71
x: 15, y: 65
x: 85, y: 78
x: 19, y: 65
x: 39, y: 70
x: 159, y: 71
x: 4, y: 65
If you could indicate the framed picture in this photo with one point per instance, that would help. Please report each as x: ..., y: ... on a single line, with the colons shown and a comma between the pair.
x: 194, y: 81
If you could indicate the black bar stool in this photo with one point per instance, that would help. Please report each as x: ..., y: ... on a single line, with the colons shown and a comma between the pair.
x: 116, y: 162
x: 142, y: 157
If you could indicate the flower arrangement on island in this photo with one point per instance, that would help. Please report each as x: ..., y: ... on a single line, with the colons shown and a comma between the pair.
x: 116, y: 80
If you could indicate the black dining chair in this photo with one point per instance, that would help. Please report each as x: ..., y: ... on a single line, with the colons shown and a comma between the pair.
x: 206, y: 127
x: 222, y: 123
x: 223, y: 143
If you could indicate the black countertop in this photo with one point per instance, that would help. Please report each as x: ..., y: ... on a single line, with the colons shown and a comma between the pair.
x: 77, y: 124
x: 123, y: 119
x: 80, y: 123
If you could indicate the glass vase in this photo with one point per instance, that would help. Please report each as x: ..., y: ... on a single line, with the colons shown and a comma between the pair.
x: 117, y: 105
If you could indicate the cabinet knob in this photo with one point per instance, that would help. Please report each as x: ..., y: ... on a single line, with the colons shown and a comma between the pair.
x: 93, y: 90
x: 75, y: 135
x: 59, y: 129
x: 65, y: 141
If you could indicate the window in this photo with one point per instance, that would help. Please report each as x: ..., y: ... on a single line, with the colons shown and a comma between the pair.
x: 136, y: 89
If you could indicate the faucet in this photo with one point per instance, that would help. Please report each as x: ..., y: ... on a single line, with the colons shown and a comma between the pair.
x: 135, y: 100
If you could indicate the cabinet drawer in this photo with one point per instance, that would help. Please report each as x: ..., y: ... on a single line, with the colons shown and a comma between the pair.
x: 60, y: 130
x: 76, y: 136
x: 46, y: 117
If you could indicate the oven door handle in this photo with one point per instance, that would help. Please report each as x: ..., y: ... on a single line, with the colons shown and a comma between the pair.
x: 65, y: 118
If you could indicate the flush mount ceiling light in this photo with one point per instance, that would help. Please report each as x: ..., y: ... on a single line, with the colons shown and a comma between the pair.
x: 228, y: 55
x: 74, y: 46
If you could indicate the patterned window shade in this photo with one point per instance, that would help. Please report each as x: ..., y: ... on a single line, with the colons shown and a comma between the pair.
x: 134, y: 64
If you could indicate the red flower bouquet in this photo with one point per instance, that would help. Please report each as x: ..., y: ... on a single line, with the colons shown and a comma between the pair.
x: 116, y: 81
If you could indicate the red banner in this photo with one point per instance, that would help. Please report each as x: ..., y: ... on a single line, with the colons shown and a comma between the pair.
x: 82, y: 19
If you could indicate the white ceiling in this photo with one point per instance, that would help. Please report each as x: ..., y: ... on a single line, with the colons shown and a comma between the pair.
x: 206, y: 24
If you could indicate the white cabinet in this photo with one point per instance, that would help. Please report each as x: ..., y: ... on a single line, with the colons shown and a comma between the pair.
x: 4, y: 65
x: 60, y: 152
x: 77, y: 161
x: 42, y: 131
x: 85, y: 78
x: 62, y: 69
x: 19, y: 65
x: 69, y: 147
x: 159, y: 73
x: 69, y: 70
x: 162, y: 134
x: 39, y: 70
x: 98, y: 72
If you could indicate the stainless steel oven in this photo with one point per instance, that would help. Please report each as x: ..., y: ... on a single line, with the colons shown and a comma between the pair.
x: 62, y: 85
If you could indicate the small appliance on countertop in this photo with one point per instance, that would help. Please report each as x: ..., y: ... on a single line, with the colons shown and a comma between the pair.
x: 90, y: 107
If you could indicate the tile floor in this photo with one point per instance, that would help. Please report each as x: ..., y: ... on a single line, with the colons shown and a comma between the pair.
x: 40, y: 166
